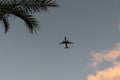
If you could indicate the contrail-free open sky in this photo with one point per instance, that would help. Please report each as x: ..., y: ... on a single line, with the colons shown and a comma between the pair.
x: 93, y: 26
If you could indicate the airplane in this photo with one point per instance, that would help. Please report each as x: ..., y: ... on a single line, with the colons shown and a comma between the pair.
x: 66, y: 42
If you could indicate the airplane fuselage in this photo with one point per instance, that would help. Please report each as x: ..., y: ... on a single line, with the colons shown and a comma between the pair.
x: 66, y: 43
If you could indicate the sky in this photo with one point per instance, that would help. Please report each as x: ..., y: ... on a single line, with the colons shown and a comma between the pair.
x: 93, y: 26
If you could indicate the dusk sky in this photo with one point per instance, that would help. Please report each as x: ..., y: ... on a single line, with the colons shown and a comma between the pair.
x: 93, y: 26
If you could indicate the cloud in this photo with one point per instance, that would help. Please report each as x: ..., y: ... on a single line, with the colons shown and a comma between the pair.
x: 111, y: 73
x: 119, y: 25
x: 110, y: 55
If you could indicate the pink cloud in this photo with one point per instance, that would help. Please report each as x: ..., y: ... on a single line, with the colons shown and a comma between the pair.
x: 110, y: 55
x: 111, y: 73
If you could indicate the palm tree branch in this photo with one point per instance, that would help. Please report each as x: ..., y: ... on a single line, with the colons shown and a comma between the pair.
x: 6, y: 23
x: 28, y: 5
x: 31, y: 23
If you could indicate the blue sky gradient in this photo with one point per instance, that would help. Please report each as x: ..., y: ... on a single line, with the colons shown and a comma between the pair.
x: 91, y: 24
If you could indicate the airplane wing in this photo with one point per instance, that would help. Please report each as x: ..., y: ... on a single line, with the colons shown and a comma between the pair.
x: 70, y: 42
x: 62, y: 42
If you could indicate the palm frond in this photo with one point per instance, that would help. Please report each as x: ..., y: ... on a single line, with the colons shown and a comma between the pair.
x: 6, y: 23
x: 31, y: 22
x: 27, y: 5
x: 4, y: 19
x: 34, y: 5
x: 24, y: 9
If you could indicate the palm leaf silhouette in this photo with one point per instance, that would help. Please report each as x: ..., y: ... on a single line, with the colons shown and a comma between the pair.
x: 24, y: 9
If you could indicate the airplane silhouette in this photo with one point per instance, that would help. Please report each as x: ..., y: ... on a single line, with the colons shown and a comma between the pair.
x: 66, y: 42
